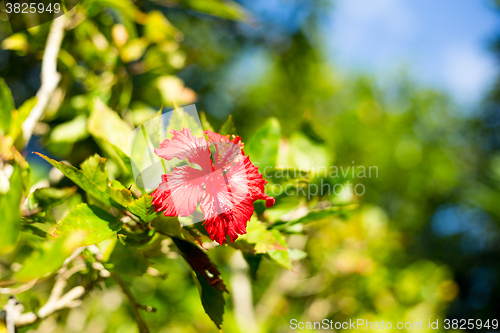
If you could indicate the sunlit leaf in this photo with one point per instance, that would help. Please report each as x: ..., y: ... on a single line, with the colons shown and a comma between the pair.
x: 281, y: 256
x: 94, y: 168
x: 19, y: 116
x: 317, y: 215
x: 6, y: 106
x: 107, y: 125
x: 143, y: 208
x: 49, y: 258
x: 71, y: 131
x: 228, y: 127
x: 94, y: 223
x: 80, y: 179
x: 119, y: 193
x: 10, y: 210
x: 158, y: 29
x: 50, y: 196
x: 264, y: 241
x: 263, y: 145
x: 225, y: 9
x: 302, y: 153
x: 205, y: 123
x: 123, y: 158
x: 16, y: 42
x: 181, y: 119
x: 134, y: 50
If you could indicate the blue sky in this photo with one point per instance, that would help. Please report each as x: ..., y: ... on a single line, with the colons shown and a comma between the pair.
x: 442, y: 43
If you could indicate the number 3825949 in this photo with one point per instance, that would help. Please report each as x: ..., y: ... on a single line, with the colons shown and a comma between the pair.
x: 25, y: 8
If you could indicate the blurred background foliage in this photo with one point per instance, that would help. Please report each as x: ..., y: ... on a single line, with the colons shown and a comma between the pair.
x: 423, y: 243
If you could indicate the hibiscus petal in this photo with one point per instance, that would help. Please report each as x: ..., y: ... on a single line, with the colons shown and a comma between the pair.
x: 226, y: 150
x: 226, y: 211
x: 185, y: 145
x: 179, y: 192
x: 232, y: 223
x: 244, y: 177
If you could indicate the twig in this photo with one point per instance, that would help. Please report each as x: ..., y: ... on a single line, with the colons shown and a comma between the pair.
x: 11, y: 315
x: 50, y: 77
x: 143, y: 327
x: 18, y: 290
x: 57, y: 299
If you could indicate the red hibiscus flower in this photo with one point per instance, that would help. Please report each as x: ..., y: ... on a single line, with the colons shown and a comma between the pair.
x: 225, y: 185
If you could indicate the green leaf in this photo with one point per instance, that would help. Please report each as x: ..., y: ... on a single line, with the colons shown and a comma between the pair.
x: 119, y: 193
x: 264, y: 144
x: 228, y: 127
x: 205, y: 124
x: 6, y: 107
x: 49, y: 196
x: 123, y: 158
x: 49, y: 258
x: 168, y: 225
x: 304, y: 154
x: 211, y: 286
x: 270, y: 242
x: 95, y: 223
x: 128, y: 260
x: 253, y: 261
x: 135, y: 238
x: 33, y: 229
x: 10, y: 209
x: 94, y: 168
x: 17, y: 42
x: 258, y: 234
x: 212, y: 300
x: 19, y: 116
x: 143, y: 208
x: 71, y: 131
x: 282, y: 257
x: 106, y: 124
x: 181, y: 119
x: 316, y: 215
x: 225, y: 9
x: 80, y: 179
x: 158, y: 29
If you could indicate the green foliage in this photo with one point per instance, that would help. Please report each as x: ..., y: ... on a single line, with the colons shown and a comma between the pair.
x: 264, y: 241
x: 127, y: 260
x: 49, y: 196
x: 211, y: 286
x: 106, y: 125
x: 19, y: 116
x: 6, y: 106
x: 264, y: 143
x: 143, y: 208
x: 119, y: 193
x: 95, y: 224
x: 9, y: 202
x: 228, y: 127
x: 49, y: 258
x: 80, y: 179
x: 95, y: 169
x: 181, y: 119
x: 324, y: 255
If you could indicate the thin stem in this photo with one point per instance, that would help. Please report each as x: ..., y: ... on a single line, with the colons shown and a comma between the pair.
x: 143, y: 327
